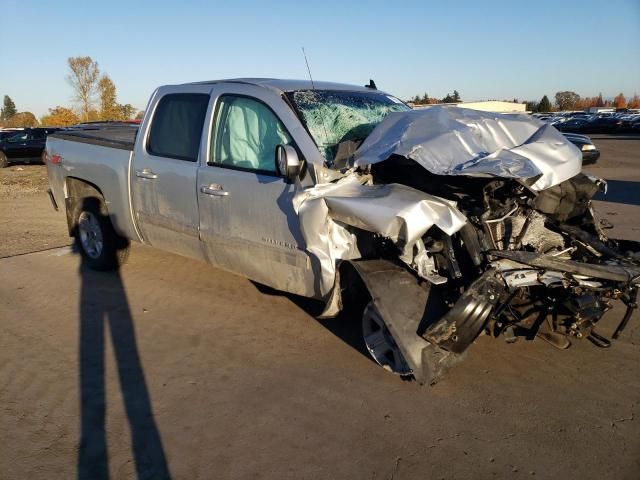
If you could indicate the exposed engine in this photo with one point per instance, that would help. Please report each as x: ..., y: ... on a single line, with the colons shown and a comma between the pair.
x: 526, y: 264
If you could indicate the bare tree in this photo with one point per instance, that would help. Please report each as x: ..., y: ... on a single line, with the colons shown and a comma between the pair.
x: 84, y: 80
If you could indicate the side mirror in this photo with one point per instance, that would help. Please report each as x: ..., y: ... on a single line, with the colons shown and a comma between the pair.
x: 288, y: 163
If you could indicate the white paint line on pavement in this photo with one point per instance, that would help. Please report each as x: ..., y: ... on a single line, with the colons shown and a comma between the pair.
x: 61, y: 251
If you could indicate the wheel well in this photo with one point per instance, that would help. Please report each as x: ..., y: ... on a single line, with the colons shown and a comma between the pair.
x: 77, y: 190
x: 350, y: 293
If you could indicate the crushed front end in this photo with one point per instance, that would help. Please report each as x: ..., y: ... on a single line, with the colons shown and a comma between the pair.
x: 492, y: 222
x: 527, y: 264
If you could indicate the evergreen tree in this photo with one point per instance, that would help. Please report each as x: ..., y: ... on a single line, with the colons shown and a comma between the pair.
x: 448, y: 99
x: 456, y: 96
x: 8, y: 109
x: 544, y: 105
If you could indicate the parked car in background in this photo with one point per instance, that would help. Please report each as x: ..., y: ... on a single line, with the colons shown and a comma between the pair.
x: 583, y: 122
x: 603, y: 124
x: 590, y: 154
x: 627, y: 122
x: 24, y: 145
x: 572, y: 125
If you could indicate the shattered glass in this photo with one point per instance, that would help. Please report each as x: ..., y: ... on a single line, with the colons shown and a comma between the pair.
x: 333, y: 117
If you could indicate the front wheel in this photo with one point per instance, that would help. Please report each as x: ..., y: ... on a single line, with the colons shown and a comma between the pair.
x: 101, y: 247
x: 380, y: 343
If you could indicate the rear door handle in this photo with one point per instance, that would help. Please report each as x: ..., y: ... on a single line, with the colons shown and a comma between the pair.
x: 146, y: 173
x: 214, y: 189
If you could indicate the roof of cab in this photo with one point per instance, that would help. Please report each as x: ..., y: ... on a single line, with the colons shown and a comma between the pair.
x: 283, y: 85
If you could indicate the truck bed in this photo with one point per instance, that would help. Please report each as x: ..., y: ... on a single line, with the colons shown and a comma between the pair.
x: 100, y: 155
x: 121, y: 136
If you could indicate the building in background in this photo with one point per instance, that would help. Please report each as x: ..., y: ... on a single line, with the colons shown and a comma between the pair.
x: 496, y: 106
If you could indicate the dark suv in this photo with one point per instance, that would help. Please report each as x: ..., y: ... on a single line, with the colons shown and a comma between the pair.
x: 23, y: 145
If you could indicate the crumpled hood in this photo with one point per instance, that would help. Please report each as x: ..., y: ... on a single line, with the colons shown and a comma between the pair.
x: 396, y: 211
x: 461, y: 141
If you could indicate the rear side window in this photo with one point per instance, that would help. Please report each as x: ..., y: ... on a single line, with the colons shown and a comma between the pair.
x: 176, y: 127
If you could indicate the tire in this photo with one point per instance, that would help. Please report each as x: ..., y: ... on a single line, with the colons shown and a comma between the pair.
x: 380, y: 343
x: 362, y: 327
x: 4, y: 161
x: 100, y: 246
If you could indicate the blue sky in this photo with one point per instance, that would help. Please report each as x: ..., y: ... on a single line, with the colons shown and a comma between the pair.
x: 484, y: 49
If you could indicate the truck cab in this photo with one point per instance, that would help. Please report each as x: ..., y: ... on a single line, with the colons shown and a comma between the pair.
x: 218, y: 142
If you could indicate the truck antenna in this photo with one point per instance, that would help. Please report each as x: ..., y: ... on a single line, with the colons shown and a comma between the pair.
x: 308, y: 69
x: 313, y: 87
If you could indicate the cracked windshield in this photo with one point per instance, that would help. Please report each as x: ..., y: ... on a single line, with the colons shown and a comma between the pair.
x: 335, y: 117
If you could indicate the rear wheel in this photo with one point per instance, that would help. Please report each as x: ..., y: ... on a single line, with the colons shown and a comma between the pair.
x: 101, y: 247
x: 4, y: 161
x: 380, y: 343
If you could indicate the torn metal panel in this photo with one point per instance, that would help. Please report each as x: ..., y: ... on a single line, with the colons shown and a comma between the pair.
x: 463, y: 322
x: 616, y: 273
x: 395, y: 211
x: 459, y: 141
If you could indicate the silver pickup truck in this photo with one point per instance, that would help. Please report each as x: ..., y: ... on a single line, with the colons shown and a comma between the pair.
x: 429, y: 226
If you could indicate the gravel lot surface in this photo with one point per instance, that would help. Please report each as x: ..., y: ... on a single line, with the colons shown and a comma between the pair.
x: 28, y: 222
x: 171, y: 368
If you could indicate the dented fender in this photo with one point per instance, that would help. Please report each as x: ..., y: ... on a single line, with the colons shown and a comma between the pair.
x: 400, y: 213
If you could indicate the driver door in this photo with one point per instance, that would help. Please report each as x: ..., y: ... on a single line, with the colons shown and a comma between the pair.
x: 247, y: 221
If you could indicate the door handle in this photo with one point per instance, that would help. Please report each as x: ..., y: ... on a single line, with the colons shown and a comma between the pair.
x: 146, y: 173
x: 214, y: 189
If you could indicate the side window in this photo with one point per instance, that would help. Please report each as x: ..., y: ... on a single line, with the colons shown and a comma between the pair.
x: 20, y: 137
x: 246, y: 134
x: 39, y: 134
x: 176, y: 127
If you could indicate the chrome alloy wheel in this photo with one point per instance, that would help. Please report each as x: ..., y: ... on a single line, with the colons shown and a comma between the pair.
x: 381, y: 344
x: 90, y: 234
